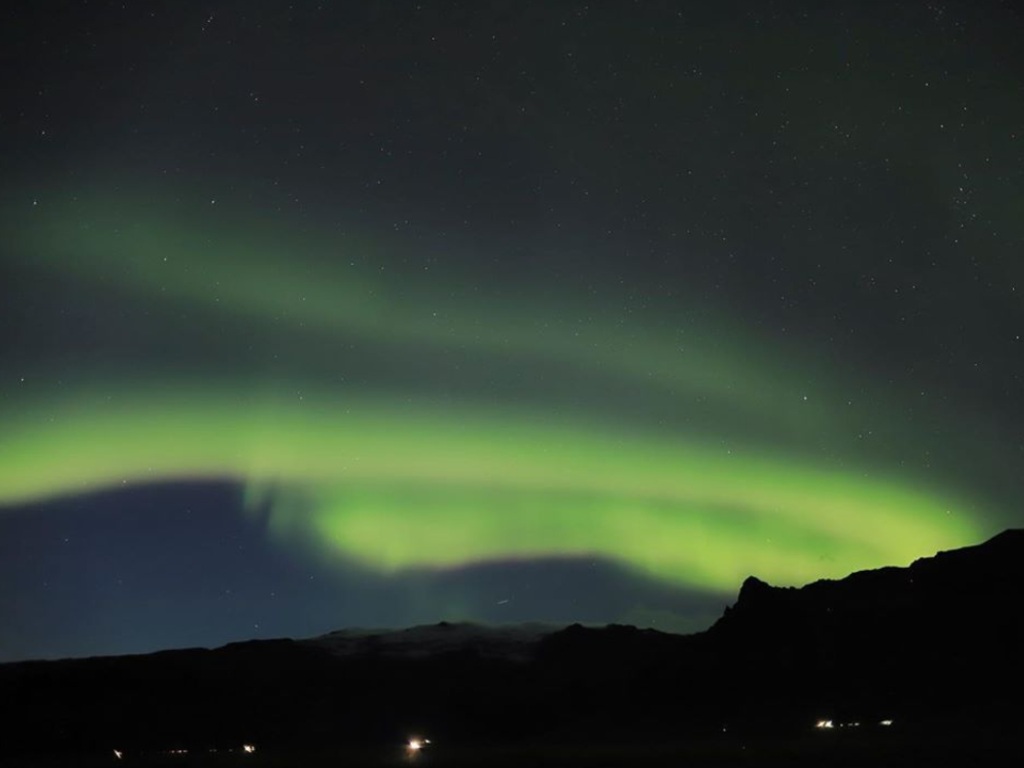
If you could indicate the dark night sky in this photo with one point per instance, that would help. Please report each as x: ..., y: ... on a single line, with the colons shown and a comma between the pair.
x: 317, y: 315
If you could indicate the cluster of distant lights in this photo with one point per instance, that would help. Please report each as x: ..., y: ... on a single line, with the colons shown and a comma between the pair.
x: 827, y: 725
x: 413, y: 747
x: 247, y: 749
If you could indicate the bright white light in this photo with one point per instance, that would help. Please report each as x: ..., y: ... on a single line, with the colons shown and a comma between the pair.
x: 415, y: 745
x: 248, y: 748
x: 886, y: 723
x: 824, y: 724
x: 118, y: 754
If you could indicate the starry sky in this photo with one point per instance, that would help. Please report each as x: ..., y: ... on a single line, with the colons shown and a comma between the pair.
x: 323, y: 315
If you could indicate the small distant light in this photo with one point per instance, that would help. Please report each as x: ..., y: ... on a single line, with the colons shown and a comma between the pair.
x: 415, y: 745
x: 118, y: 754
x: 248, y: 748
x: 886, y: 723
x: 823, y: 724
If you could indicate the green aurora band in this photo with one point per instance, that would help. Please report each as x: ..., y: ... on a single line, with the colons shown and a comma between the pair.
x: 409, y: 483
x: 404, y: 487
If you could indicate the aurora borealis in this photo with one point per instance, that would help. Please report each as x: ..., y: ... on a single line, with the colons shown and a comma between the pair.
x: 396, y: 489
x: 576, y: 337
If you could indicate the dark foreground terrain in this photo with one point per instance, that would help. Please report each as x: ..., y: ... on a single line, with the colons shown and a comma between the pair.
x: 811, y: 751
x: 899, y: 666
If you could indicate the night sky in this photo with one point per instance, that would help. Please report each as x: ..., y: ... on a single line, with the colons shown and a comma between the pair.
x: 322, y: 315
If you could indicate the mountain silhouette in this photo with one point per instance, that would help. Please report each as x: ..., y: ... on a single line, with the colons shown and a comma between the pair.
x: 927, y: 656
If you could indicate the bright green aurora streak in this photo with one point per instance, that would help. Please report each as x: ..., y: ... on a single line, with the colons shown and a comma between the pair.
x: 407, y: 487
x: 407, y: 483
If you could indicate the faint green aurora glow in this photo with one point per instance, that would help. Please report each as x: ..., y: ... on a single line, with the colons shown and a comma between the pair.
x: 306, y: 281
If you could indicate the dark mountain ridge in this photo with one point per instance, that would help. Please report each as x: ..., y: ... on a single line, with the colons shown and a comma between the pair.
x: 942, y: 636
x: 935, y: 647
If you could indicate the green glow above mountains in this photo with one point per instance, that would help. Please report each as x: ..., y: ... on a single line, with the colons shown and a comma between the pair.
x: 393, y: 478
x: 404, y: 486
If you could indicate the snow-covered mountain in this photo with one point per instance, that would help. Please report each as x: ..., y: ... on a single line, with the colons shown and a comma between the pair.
x: 512, y: 642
